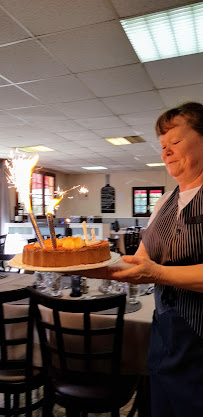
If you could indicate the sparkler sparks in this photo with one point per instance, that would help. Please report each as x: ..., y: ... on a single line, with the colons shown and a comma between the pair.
x: 19, y: 176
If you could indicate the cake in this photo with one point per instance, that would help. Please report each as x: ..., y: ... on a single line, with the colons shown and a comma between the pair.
x: 70, y: 251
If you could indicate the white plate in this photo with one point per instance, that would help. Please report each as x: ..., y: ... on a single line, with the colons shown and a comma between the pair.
x: 16, y: 262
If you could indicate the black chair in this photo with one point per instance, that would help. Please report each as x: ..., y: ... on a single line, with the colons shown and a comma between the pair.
x: 113, y: 244
x: 5, y: 258
x: 83, y: 364
x: 2, y: 244
x: 131, y: 240
x: 17, y: 375
x: 32, y: 240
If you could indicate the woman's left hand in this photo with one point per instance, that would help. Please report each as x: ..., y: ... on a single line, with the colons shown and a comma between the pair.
x: 142, y: 271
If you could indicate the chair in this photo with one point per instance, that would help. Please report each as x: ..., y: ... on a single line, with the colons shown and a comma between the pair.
x: 5, y: 258
x: 17, y: 375
x: 131, y: 241
x: 83, y: 361
x: 2, y: 244
x: 32, y: 240
x: 113, y: 244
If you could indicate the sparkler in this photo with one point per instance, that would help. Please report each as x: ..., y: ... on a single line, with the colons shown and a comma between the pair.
x: 19, y: 175
x: 53, y: 203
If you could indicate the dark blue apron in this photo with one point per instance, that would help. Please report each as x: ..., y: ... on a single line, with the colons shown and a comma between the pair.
x: 175, y: 364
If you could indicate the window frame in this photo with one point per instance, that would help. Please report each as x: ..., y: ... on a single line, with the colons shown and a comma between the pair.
x: 44, y: 174
x: 148, y: 189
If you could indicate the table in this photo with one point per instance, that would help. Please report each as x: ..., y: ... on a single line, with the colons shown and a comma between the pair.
x: 136, y: 325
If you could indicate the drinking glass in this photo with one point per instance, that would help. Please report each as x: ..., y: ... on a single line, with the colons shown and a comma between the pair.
x: 133, y: 293
x: 53, y: 283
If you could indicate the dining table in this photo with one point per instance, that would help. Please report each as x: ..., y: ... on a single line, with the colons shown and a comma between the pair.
x: 137, y: 324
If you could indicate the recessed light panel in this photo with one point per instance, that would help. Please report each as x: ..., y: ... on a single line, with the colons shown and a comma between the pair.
x: 156, y: 164
x: 37, y: 148
x: 166, y: 34
x: 94, y: 168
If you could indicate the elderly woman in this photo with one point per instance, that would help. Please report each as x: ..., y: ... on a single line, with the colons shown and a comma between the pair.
x: 171, y: 256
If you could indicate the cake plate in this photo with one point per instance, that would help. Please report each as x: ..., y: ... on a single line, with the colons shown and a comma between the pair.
x: 17, y: 262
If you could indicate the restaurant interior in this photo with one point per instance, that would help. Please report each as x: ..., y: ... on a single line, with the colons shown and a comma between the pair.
x: 72, y: 79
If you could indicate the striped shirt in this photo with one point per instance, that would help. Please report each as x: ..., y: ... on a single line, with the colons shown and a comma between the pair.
x: 178, y: 241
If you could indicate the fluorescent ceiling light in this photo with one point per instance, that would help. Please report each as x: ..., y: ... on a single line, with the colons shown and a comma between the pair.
x: 37, y: 148
x: 156, y: 164
x: 166, y: 34
x: 127, y: 140
x: 118, y: 141
x: 94, y: 168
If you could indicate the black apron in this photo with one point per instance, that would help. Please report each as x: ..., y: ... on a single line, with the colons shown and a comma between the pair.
x: 175, y: 358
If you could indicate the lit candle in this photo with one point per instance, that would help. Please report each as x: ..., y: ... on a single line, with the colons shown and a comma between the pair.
x: 85, y: 231
x: 50, y: 220
x: 19, y: 175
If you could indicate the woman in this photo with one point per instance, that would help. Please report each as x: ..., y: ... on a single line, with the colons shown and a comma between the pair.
x: 171, y: 256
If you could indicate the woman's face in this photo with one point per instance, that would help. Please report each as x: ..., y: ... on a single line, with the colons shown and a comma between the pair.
x: 182, y: 151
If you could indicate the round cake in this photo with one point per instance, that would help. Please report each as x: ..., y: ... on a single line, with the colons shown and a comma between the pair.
x: 70, y: 251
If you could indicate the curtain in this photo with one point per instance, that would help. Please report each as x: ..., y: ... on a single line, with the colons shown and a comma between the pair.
x: 4, y: 198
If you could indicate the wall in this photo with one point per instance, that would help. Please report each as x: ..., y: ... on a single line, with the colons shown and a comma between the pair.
x: 91, y: 205
x: 121, y: 181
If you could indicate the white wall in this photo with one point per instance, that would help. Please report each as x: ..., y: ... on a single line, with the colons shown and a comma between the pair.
x: 121, y: 181
x: 91, y: 205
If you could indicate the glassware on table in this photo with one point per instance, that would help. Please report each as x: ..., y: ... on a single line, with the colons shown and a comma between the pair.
x: 118, y: 287
x: 133, y: 293
x: 53, y: 283
x: 106, y: 286
x: 49, y: 282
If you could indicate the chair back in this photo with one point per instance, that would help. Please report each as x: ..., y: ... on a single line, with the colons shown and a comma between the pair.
x: 32, y: 240
x: 74, y: 342
x: 13, y: 349
x: 2, y: 243
x: 113, y: 244
x: 131, y: 241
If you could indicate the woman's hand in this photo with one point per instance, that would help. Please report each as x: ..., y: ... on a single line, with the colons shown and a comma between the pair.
x: 141, y: 271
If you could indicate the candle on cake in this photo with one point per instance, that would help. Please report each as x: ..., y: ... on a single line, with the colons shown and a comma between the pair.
x: 19, y: 175
x: 50, y: 220
x: 84, y: 225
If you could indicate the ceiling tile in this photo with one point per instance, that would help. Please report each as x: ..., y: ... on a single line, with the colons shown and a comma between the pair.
x: 115, y: 132
x: 11, y: 97
x: 129, y: 103
x: 6, y: 120
x: 32, y: 62
x: 126, y: 8
x: 178, y: 95
x: 10, y: 31
x: 99, y: 122
x: 144, y: 117
x: 78, y: 48
x: 38, y: 114
x: 59, y: 89
x: 77, y: 136
x: 50, y: 16
x: 176, y: 71
x: 115, y: 81
x: 84, y: 108
x: 58, y: 126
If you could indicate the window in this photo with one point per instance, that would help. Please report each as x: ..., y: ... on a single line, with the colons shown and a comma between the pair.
x: 144, y: 200
x: 42, y: 189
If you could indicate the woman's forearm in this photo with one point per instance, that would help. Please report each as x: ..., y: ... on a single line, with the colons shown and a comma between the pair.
x: 189, y: 277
